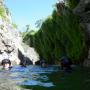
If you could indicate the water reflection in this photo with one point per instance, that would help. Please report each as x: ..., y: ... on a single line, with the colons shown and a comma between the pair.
x: 32, y: 75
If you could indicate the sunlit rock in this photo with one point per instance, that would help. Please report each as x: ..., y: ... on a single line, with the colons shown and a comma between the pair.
x: 11, y: 42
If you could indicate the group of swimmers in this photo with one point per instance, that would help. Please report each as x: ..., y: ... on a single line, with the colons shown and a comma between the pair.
x: 65, y: 63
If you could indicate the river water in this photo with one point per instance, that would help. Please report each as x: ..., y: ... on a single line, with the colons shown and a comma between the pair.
x: 36, y: 78
x: 19, y: 77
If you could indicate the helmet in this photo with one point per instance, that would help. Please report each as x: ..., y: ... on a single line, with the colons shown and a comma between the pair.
x: 4, y: 61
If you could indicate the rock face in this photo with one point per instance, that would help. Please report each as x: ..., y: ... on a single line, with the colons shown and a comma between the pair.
x: 30, y: 53
x: 83, y: 10
x: 11, y: 41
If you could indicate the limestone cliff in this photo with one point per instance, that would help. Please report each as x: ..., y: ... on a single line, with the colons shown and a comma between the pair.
x: 11, y: 41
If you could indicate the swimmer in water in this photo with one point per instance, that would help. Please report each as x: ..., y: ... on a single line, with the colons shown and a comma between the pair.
x: 6, y: 63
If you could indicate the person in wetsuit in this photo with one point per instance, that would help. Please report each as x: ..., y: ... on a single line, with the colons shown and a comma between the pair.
x: 43, y: 63
x: 66, y: 63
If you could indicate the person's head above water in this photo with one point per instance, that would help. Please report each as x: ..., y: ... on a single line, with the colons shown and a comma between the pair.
x: 6, y: 63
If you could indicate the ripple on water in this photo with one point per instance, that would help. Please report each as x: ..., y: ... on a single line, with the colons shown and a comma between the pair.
x: 34, y: 83
x: 32, y: 75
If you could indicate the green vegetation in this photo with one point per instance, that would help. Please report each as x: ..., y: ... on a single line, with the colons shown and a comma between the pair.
x: 2, y: 11
x: 60, y: 34
x: 71, y: 3
x: 28, y: 36
x: 14, y: 25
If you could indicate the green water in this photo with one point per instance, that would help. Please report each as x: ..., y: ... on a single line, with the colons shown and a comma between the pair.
x: 51, y: 78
